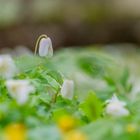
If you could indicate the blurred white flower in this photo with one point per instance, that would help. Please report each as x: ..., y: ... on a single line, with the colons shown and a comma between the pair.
x: 116, y: 108
x: 45, y: 47
x: 7, y: 66
x: 19, y: 90
x: 67, y: 89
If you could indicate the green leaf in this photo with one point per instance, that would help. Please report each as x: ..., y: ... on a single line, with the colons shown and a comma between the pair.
x: 52, y: 82
x: 92, y: 106
x: 28, y: 62
x: 91, y: 65
x: 98, y: 130
x: 56, y: 75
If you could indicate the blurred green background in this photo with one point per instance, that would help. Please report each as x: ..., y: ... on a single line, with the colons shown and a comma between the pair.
x: 69, y: 23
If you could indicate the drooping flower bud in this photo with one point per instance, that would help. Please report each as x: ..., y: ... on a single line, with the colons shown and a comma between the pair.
x: 45, y: 47
x: 67, y: 89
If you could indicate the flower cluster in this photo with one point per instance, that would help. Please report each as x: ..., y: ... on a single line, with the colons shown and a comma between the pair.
x: 38, y: 103
x: 44, y: 44
x: 18, y: 89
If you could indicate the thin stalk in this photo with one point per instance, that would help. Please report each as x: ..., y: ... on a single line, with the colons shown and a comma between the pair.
x: 54, y: 97
x: 38, y: 41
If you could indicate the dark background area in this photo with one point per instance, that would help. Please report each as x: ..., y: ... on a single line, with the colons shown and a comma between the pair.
x: 69, y: 23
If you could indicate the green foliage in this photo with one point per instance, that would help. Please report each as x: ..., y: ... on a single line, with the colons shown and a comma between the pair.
x: 46, y: 106
x: 121, y: 84
x: 92, y: 107
x: 92, y: 66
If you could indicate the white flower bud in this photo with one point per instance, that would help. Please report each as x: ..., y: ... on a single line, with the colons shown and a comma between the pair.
x: 116, y: 108
x: 7, y: 66
x: 67, y: 89
x: 45, y: 47
x: 19, y: 90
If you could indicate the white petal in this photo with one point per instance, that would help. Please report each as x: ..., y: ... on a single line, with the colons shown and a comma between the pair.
x: 116, y: 109
x: 67, y: 89
x: 115, y: 99
x: 45, y: 47
x: 7, y: 66
x: 19, y: 89
x: 50, y: 47
x: 22, y: 98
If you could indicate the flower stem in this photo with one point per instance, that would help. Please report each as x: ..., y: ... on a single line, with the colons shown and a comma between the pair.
x: 54, y: 97
x: 38, y: 41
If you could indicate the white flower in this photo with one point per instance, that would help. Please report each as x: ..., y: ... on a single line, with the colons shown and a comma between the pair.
x: 116, y: 108
x: 45, y: 47
x: 19, y: 90
x: 7, y: 66
x: 67, y: 89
